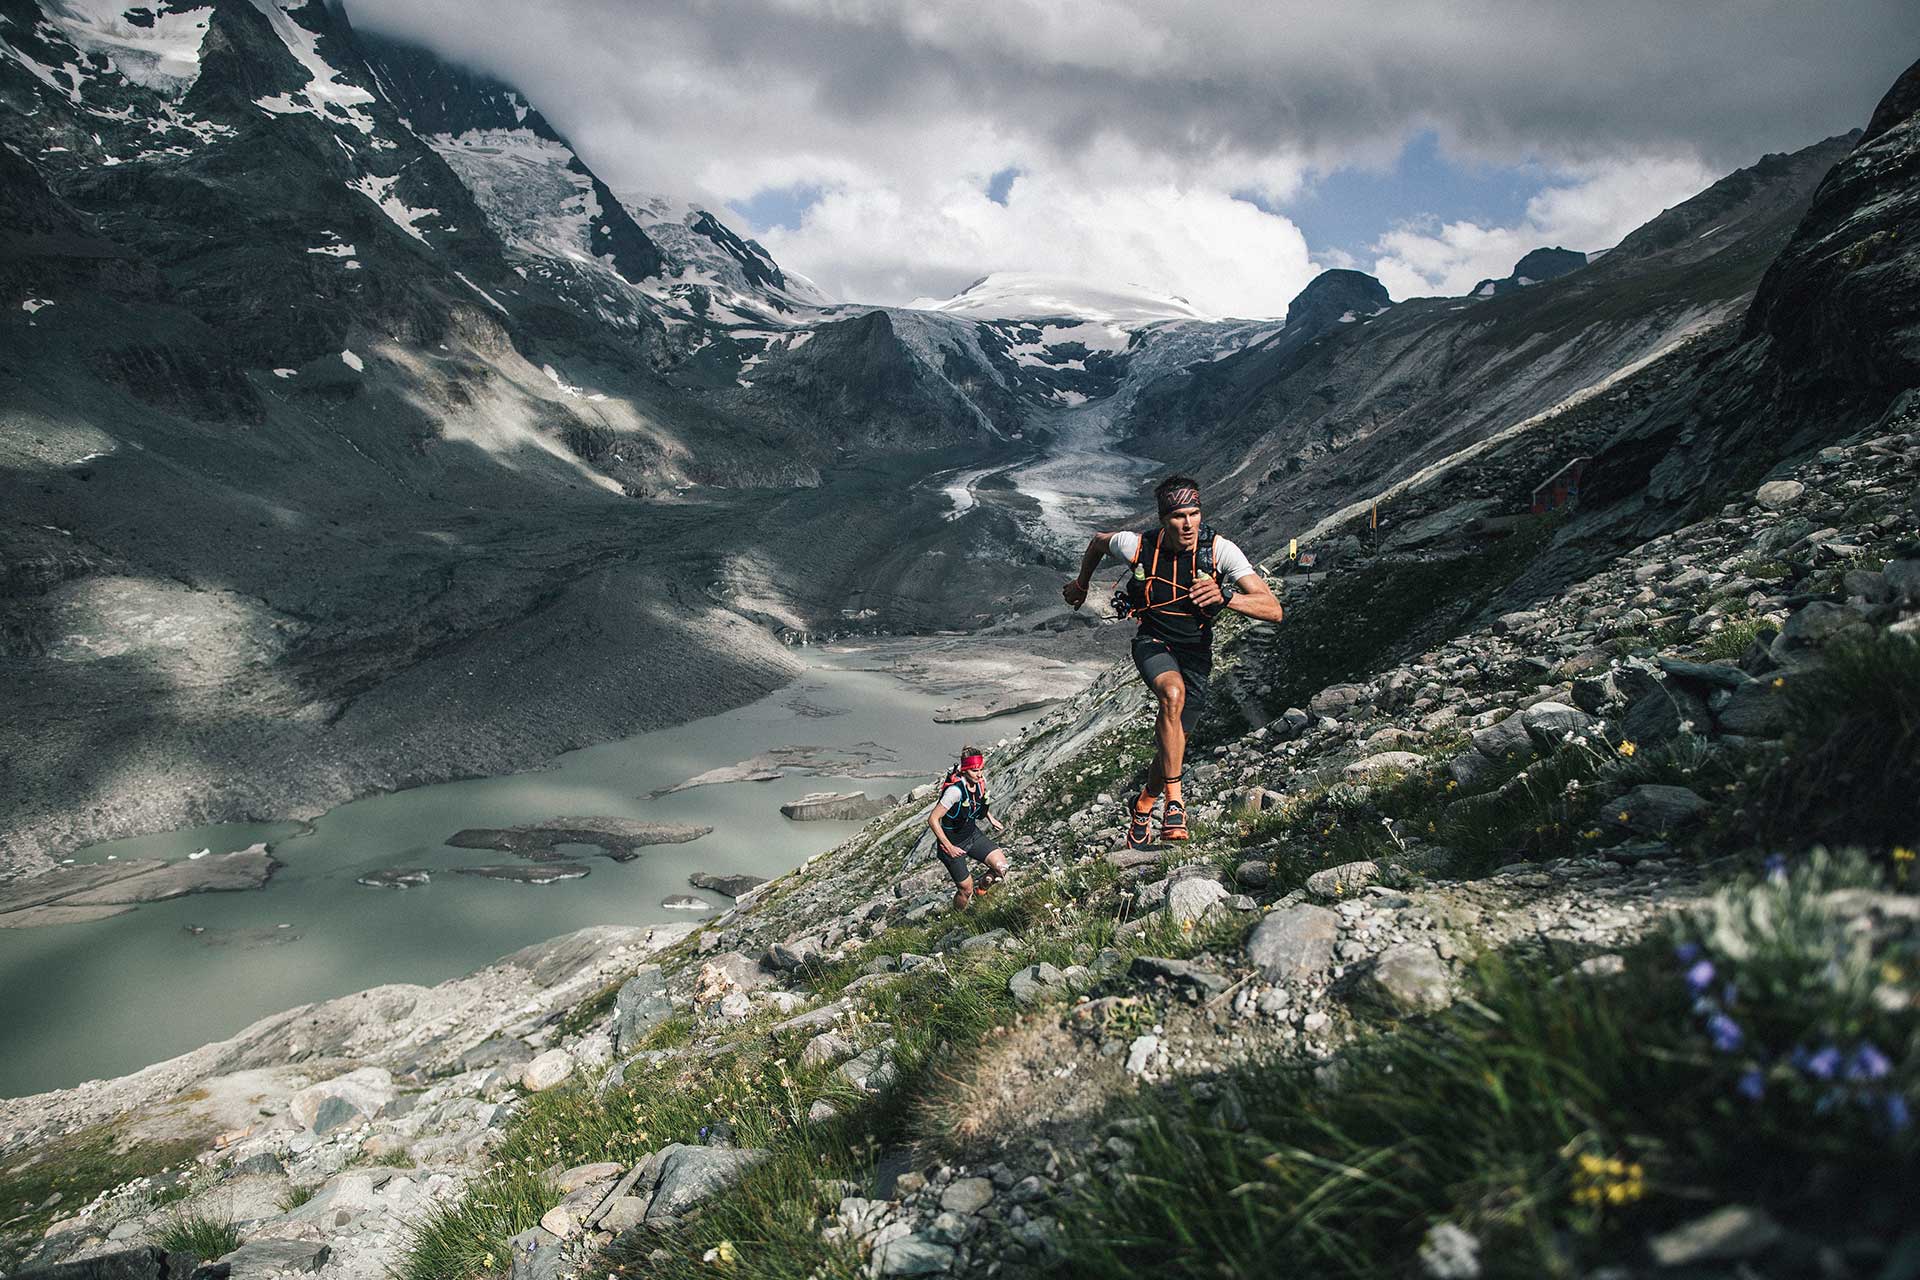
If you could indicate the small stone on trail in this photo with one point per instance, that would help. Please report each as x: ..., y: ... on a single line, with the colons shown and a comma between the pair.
x: 967, y: 1195
x: 1410, y: 978
x: 1343, y: 881
x: 1253, y: 874
x: 1036, y: 982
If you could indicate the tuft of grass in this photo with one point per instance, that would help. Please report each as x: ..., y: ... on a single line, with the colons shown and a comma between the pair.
x: 1852, y: 750
x: 1732, y: 640
x: 670, y: 1033
x: 297, y: 1196
x: 1560, y: 1119
x: 203, y: 1237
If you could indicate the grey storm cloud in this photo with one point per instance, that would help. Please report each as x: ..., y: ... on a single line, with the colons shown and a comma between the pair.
x: 1724, y: 79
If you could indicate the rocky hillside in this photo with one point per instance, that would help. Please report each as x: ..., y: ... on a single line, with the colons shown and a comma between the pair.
x: 1576, y: 938
x: 1592, y: 838
x: 1323, y: 415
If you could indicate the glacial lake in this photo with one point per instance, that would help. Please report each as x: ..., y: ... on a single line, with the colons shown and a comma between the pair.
x: 100, y: 999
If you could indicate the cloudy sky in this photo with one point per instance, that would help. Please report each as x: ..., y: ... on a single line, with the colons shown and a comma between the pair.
x: 1223, y: 150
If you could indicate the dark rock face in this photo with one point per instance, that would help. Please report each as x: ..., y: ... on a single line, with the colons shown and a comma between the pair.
x: 1332, y: 294
x: 755, y: 261
x: 439, y: 97
x: 1537, y: 267
x: 1829, y: 340
x: 1841, y: 304
x: 615, y: 234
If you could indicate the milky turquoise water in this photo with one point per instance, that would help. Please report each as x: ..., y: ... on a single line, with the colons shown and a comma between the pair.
x: 101, y: 999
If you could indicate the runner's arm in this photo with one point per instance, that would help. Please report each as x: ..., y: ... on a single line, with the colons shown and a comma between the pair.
x: 1255, y: 599
x: 1075, y: 592
x: 933, y: 820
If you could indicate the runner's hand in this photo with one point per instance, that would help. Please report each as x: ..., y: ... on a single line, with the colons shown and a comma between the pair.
x: 1075, y: 593
x: 1206, y: 593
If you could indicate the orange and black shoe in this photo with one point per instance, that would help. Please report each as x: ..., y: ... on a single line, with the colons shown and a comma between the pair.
x: 1173, y: 823
x: 1140, y: 821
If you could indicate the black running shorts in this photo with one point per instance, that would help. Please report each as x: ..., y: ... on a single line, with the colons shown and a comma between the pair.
x: 1154, y: 657
x: 976, y: 847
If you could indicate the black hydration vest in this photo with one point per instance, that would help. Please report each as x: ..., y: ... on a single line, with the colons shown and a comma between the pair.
x: 961, y: 821
x: 1157, y: 588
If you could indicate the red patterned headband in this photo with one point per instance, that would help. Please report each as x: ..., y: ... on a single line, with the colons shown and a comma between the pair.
x: 973, y: 762
x: 1174, y: 499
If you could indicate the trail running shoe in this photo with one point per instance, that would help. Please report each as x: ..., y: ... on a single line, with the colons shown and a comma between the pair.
x: 1138, y: 836
x: 1173, y: 826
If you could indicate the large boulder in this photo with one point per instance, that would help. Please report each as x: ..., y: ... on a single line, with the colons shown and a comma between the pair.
x: 1191, y: 898
x: 1550, y: 723
x: 1338, y: 700
x: 679, y: 1178
x: 1814, y: 627
x: 1755, y: 709
x: 1038, y: 982
x: 546, y: 1071
x: 641, y: 1006
x: 1470, y: 770
x: 1294, y: 943
x: 794, y: 953
x: 1654, y: 809
x: 1657, y: 709
x: 365, y: 1091
x: 1506, y: 741
x: 260, y: 1259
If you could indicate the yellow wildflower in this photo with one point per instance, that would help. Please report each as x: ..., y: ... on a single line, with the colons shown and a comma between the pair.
x: 1612, y: 1181
x: 1779, y: 682
x: 1627, y: 749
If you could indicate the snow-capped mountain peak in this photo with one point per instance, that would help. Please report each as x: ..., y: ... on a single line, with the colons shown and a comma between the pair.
x: 1032, y: 295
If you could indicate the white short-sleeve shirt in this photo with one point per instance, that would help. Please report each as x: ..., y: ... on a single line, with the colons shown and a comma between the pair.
x: 952, y: 796
x: 1229, y: 559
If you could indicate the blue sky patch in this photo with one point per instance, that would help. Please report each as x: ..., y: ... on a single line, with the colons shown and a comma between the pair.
x: 1349, y: 210
x: 781, y: 207
x: 1000, y: 184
